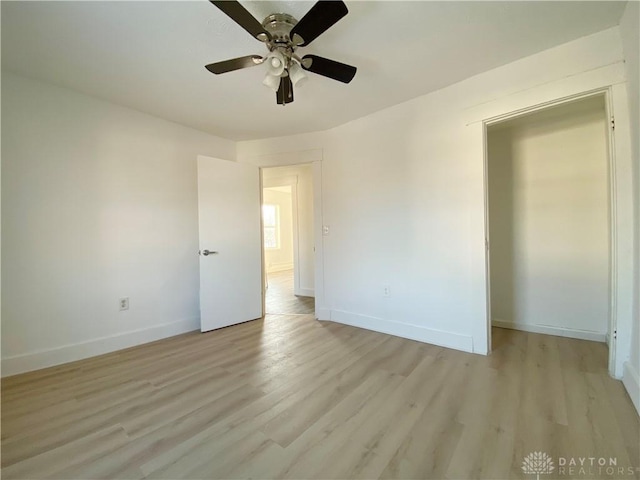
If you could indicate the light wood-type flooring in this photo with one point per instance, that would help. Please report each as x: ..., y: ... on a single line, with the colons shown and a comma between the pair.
x: 292, y: 397
x: 280, y: 298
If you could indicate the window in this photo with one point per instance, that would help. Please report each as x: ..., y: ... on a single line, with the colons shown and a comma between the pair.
x: 271, y: 222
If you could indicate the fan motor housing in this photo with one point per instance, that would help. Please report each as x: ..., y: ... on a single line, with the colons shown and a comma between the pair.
x: 279, y: 25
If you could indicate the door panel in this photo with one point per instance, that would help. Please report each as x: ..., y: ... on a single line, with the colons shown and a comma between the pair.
x: 229, y: 224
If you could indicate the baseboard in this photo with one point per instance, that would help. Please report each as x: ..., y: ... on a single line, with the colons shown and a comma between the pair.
x: 78, y: 351
x: 549, y: 330
x: 405, y: 330
x: 632, y: 384
x: 304, y: 292
x: 279, y: 267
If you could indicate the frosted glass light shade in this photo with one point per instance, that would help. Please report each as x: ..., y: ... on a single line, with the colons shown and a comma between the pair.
x: 275, y: 63
x: 271, y: 81
x: 296, y: 72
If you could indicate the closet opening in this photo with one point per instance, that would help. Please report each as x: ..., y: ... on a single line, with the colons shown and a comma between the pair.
x: 549, y: 217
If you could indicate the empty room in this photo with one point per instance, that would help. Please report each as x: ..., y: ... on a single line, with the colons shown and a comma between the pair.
x: 320, y: 240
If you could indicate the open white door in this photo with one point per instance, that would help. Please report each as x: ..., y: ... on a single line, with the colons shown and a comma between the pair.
x: 230, y: 243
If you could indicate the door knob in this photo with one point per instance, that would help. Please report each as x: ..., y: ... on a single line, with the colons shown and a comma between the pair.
x: 208, y: 252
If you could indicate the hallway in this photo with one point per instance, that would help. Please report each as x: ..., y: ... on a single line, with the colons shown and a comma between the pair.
x: 280, y: 298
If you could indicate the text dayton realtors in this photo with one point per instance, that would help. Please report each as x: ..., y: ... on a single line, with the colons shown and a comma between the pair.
x: 592, y: 466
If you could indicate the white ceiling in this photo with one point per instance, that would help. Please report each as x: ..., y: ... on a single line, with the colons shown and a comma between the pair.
x: 150, y: 55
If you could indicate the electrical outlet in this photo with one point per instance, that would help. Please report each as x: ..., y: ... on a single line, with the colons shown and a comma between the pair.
x: 325, y: 230
x: 386, y: 291
x: 124, y: 303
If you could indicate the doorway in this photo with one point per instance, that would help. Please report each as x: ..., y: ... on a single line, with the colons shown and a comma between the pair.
x: 549, y: 221
x: 288, y: 239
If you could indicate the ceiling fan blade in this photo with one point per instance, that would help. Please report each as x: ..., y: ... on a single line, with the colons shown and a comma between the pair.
x: 242, y: 17
x: 319, y: 19
x: 328, y: 68
x: 234, y: 64
x: 284, y: 94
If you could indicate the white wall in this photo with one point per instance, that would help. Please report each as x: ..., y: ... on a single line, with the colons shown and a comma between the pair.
x: 630, y: 33
x: 548, y: 221
x: 403, y: 195
x: 302, y: 177
x: 281, y: 258
x: 98, y: 202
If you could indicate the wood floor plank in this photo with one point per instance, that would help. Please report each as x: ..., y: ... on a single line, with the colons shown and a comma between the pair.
x: 158, y: 442
x: 62, y: 429
x: 280, y: 298
x: 291, y: 397
x: 76, y: 451
x: 420, y: 456
x: 305, y: 457
x: 290, y: 424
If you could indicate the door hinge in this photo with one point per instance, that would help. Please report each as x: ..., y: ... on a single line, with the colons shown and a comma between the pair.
x: 615, y: 334
x: 613, y: 123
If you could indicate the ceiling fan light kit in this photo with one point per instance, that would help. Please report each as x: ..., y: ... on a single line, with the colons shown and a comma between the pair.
x: 276, y: 63
x: 296, y: 72
x: 271, y: 81
x: 283, y: 35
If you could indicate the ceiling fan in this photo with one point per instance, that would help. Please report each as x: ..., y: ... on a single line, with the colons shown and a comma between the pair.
x: 283, y: 35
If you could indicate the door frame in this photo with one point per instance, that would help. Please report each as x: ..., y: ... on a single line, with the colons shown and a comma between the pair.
x: 612, y: 211
x: 290, y: 159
